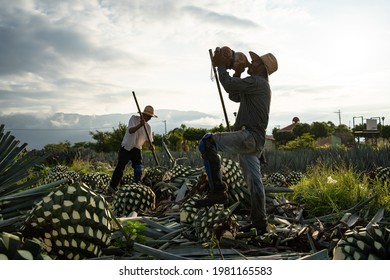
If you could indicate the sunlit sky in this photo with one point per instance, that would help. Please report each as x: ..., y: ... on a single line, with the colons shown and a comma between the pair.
x: 87, y: 57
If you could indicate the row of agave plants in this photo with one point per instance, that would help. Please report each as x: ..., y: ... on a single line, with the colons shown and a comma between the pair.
x: 361, y: 158
x: 55, y: 212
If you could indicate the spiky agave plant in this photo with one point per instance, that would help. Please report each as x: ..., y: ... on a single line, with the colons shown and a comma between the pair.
x: 360, y: 243
x: 18, y: 191
x: 73, y: 221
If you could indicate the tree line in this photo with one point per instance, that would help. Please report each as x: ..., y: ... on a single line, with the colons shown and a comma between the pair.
x: 185, y: 138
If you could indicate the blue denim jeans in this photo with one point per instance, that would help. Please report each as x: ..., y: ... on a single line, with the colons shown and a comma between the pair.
x: 243, y: 143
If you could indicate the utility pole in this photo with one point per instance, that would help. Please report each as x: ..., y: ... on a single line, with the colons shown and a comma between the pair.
x: 165, y: 123
x: 339, y: 112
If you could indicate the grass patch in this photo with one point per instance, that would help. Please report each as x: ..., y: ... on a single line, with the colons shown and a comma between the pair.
x: 328, y: 190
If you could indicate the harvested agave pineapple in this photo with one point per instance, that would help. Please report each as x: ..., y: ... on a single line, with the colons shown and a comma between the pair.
x: 294, y: 177
x: 153, y: 175
x: 14, y: 247
x: 181, y: 171
x: 59, y: 168
x: 364, y: 244
x: 61, y: 172
x: 73, y: 221
x: 214, y: 221
x: 97, y: 181
x: 232, y: 175
x: 127, y: 179
x: 383, y: 174
x: 277, y: 179
x: 188, y: 210
x: 57, y: 176
x: 133, y: 197
x: 176, y: 178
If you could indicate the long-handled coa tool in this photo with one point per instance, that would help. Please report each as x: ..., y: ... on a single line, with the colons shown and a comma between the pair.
x: 219, y: 90
x: 146, y: 131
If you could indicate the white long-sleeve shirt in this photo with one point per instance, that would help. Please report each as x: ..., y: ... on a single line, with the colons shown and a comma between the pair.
x: 138, y: 138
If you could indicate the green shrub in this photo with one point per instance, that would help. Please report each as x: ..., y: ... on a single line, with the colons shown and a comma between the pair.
x: 328, y: 190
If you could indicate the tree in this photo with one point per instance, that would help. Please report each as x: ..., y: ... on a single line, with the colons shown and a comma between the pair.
x: 344, y: 133
x: 194, y: 134
x: 116, y: 136
x: 359, y: 127
x: 102, y: 141
x: 331, y: 126
x: 219, y: 128
x: 282, y: 137
x: 157, y: 140
x: 319, y: 130
x: 82, y: 145
x: 175, y: 138
x: 109, y: 141
x: 60, y: 146
x: 306, y: 141
x: 385, y: 132
x: 300, y: 129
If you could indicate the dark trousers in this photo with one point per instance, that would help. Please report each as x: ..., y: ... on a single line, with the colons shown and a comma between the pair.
x: 124, y: 156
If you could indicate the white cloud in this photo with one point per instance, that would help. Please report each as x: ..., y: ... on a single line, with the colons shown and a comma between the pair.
x: 61, y: 122
x: 206, y: 122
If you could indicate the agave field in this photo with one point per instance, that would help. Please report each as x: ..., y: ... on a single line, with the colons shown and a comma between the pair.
x: 321, y: 204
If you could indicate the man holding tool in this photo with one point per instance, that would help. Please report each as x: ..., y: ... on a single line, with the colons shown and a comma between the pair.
x: 131, y: 146
x: 248, y: 138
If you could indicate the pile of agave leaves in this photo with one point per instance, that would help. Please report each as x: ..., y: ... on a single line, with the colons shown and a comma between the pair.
x: 288, y: 236
x: 160, y: 234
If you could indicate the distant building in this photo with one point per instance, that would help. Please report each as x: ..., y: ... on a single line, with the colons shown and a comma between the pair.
x: 290, y: 127
x: 269, y: 143
x: 269, y: 139
x: 330, y: 141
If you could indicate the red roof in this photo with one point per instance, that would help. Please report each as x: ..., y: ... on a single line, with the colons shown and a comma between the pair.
x: 288, y: 128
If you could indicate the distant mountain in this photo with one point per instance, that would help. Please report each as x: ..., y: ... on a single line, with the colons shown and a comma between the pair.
x: 38, y: 131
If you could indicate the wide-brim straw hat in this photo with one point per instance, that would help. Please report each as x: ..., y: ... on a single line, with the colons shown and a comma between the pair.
x: 149, y: 110
x: 269, y: 60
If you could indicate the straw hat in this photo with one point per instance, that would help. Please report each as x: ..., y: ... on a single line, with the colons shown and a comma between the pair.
x: 269, y: 61
x: 149, y: 110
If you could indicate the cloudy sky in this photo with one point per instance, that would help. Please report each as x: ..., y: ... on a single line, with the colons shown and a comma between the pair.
x: 87, y: 57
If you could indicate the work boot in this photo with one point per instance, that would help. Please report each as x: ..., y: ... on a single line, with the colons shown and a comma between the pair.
x: 219, y: 196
